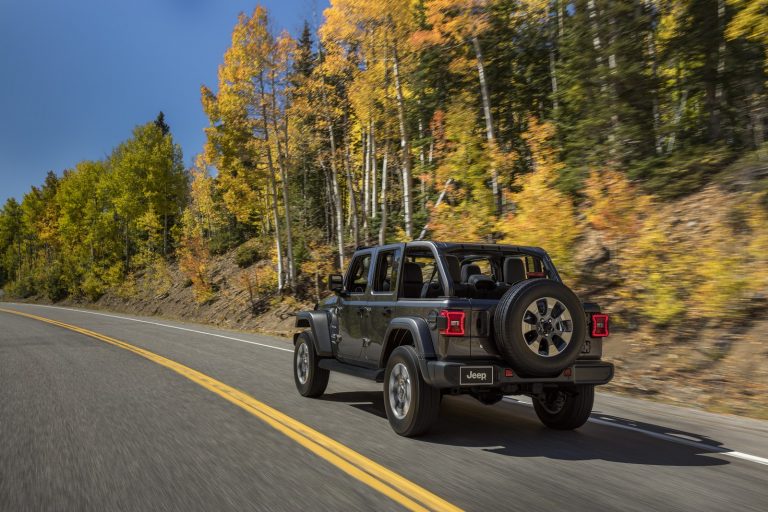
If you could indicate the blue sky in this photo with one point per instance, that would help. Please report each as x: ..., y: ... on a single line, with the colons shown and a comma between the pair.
x: 77, y: 75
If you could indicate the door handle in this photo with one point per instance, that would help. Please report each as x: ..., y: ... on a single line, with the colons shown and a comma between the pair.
x: 387, y: 311
x: 364, y: 311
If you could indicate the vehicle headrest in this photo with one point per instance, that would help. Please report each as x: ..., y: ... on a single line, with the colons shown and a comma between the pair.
x: 514, y: 270
x: 412, y: 273
x: 469, y: 270
x: 481, y: 282
x: 454, y: 267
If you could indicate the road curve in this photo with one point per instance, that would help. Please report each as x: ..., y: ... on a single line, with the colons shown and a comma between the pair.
x: 87, y: 425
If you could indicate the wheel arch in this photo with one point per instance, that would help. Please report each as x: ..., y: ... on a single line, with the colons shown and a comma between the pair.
x: 408, y: 331
x: 319, y: 323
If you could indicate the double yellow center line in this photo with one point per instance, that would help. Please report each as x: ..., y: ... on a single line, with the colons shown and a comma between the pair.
x: 388, y: 483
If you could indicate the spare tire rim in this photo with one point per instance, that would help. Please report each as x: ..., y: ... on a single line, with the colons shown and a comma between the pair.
x: 547, y: 327
x: 399, y: 391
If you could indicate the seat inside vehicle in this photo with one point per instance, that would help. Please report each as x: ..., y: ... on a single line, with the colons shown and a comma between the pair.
x: 413, y: 281
x: 468, y: 270
x: 514, y: 270
x: 454, y: 267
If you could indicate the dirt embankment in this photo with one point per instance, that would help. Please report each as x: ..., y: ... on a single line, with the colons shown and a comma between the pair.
x: 717, y: 364
x: 231, y: 305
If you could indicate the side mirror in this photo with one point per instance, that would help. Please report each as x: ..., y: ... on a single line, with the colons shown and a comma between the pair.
x: 336, y: 283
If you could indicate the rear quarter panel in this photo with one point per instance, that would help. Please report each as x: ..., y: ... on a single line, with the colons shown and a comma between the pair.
x: 429, y: 309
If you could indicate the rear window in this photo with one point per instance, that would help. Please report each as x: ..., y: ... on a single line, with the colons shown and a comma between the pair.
x: 484, y: 265
x: 496, y: 272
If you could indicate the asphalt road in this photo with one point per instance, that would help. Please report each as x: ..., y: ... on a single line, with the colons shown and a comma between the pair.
x: 86, y: 425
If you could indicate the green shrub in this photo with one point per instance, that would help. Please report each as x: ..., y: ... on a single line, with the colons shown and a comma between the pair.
x: 54, y: 286
x: 684, y: 172
x: 247, y: 255
x: 223, y: 241
x: 93, y: 287
x: 21, y: 288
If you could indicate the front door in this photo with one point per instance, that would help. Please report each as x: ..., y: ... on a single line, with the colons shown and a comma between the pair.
x: 353, y: 308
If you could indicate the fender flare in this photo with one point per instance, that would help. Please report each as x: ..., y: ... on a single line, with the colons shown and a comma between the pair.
x: 422, y: 339
x: 319, y: 323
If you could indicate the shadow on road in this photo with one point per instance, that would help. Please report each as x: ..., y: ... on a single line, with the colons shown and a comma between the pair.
x: 368, y: 401
x: 514, y: 430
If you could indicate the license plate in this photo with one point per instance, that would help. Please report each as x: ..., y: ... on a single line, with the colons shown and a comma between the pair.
x: 474, y: 375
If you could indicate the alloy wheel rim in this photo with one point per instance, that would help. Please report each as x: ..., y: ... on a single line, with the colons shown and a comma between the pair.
x: 547, y: 327
x: 400, y: 391
x: 302, y: 363
x: 553, y: 402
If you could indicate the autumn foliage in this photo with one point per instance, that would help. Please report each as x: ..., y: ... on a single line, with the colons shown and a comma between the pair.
x: 580, y: 127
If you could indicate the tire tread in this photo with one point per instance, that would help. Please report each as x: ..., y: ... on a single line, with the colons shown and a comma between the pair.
x: 318, y: 377
x: 575, y: 412
x: 426, y: 401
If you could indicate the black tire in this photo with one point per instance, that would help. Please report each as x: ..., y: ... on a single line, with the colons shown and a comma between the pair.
x: 315, y: 378
x: 424, y: 403
x: 508, y: 322
x: 571, y: 413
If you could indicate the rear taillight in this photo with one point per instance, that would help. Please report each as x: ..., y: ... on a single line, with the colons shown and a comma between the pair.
x: 599, y: 325
x: 454, y: 323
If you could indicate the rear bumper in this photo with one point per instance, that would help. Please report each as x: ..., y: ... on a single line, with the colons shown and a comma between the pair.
x: 446, y: 374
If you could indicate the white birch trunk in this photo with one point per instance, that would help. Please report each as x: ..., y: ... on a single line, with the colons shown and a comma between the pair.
x: 366, y: 173
x: 282, y: 166
x: 372, y: 156
x: 384, y: 180
x: 337, y: 198
x: 489, y: 133
x: 405, y: 148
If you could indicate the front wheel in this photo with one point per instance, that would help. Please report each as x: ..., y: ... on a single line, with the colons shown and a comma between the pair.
x: 311, y: 380
x: 412, y: 405
x: 565, y: 409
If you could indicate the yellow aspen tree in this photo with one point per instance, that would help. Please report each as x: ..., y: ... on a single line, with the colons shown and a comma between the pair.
x: 542, y: 216
x: 387, y: 26
x: 463, y: 22
x: 238, y: 140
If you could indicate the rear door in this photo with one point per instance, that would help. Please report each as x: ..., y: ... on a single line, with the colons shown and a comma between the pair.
x: 423, y: 294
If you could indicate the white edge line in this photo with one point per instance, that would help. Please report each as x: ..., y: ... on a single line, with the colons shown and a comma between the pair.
x: 158, y: 324
x: 669, y: 438
x: 656, y: 435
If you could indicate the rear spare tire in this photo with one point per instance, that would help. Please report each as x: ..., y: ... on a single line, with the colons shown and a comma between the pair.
x: 539, y: 327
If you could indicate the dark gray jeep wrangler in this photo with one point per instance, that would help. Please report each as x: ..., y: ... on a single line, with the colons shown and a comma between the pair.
x: 433, y: 318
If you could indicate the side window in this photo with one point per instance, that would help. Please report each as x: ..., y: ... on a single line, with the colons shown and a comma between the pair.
x: 421, y: 277
x: 357, y: 279
x: 387, y: 264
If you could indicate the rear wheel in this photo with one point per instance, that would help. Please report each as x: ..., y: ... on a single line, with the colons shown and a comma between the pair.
x: 565, y: 409
x: 311, y: 380
x: 412, y: 405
